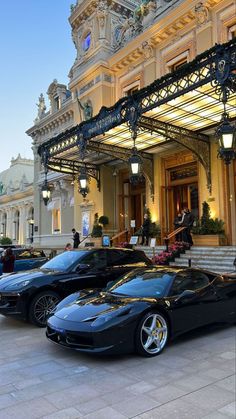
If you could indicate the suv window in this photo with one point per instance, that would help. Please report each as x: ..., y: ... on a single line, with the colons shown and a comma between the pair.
x: 115, y: 257
x: 189, y: 281
x: 96, y: 259
x: 119, y: 257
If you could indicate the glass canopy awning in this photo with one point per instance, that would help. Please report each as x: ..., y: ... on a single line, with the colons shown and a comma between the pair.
x: 184, y: 106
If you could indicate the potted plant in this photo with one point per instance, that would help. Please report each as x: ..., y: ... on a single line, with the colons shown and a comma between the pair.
x: 104, y: 220
x: 208, y: 231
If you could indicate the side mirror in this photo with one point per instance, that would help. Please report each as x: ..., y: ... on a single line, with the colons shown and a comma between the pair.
x: 186, y: 294
x: 82, y: 267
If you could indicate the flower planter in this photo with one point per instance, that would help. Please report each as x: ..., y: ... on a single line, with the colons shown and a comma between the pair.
x: 209, y: 240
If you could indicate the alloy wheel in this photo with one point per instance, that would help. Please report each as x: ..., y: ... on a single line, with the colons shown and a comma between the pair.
x: 153, y: 333
x: 43, y: 307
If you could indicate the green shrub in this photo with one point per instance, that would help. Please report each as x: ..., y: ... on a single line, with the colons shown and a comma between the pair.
x: 97, y: 228
x: 104, y: 220
x: 5, y: 240
x: 208, y: 225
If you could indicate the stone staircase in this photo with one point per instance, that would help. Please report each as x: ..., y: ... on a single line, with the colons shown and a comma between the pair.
x: 217, y: 259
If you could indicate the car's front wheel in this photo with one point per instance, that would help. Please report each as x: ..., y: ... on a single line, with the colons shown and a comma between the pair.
x: 152, y: 334
x: 41, y: 306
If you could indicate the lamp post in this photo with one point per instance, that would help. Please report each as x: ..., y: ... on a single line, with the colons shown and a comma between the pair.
x: 226, y: 136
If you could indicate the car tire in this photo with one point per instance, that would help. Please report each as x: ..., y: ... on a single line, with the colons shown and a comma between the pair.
x: 41, y: 306
x: 152, y: 334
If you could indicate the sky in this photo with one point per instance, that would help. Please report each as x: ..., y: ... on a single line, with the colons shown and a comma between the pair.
x: 35, y: 48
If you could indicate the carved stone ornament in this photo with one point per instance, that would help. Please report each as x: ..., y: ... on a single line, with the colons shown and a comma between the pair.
x: 202, y: 14
x: 102, y: 11
x: 147, y: 50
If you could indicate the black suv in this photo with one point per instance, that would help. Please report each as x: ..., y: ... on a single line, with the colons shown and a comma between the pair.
x: 33, y: 294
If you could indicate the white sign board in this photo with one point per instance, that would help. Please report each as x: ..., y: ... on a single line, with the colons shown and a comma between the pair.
x: 153, y: 242
x: 133, y: 240
x: 132, y: 223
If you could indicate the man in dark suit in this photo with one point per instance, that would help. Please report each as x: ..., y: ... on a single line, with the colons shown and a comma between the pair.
x: 76, y: 238
x: 187, y: 222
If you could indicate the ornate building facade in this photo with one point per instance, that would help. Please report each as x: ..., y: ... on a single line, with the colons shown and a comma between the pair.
x: 123, y: 47
x: 17, y: 201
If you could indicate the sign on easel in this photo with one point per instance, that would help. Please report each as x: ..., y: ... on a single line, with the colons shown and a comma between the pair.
x: 132, y: 223
x: 153, y: 242
x: 133, y: 240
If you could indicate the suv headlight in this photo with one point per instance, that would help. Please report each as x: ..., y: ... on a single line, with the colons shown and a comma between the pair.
x: 19, y: 284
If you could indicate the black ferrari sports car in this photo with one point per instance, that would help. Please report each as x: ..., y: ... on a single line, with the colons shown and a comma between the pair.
x: 33, y: 294
x: 142, y: 310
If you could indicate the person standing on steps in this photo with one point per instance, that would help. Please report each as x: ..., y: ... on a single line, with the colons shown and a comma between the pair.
x: 76, y: 238
x: 187, y: 222
x: 145, y: 230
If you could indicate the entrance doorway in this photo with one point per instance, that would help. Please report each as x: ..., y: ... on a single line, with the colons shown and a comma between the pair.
x: 132, y: 201
x: 181, y: 191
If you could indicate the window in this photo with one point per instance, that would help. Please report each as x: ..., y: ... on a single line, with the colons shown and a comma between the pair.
x: 115, y: 257
x: 86, y: 42
x: 232, y: 32
x: 96, y: 259
x: 178, y: 64
x: 131, y: 88
x: 177, y: 61
x: 189, y: 280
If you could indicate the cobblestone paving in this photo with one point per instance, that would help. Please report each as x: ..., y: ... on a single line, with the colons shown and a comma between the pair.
x: 193, y: 378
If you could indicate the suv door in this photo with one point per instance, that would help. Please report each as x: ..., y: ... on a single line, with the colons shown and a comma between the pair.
x: 89, y: 273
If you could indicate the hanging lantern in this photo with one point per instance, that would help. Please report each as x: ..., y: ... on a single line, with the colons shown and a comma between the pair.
x: 46, y: 193
x: 83, y: 182
x: 226, y: 135
x: 135, y: 163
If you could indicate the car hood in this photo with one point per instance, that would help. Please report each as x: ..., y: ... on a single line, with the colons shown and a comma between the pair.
x: 85, y: 310
x: 14, y: 278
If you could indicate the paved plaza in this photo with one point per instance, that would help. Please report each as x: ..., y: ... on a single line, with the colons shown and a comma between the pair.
x: 193, y: 378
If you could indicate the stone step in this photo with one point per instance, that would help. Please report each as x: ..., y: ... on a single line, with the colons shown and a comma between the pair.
x: 225, y: 263
x: 210, y: 267
x: 207, y: 257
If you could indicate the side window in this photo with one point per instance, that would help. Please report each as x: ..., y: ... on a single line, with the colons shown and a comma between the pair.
x: 115, y: 257
x: 188, y: 281
x: 199, y: 280
x: 96, y: 259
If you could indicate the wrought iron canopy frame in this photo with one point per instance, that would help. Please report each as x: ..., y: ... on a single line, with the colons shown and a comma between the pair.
x: 215, y: 66
x: 73, y: 167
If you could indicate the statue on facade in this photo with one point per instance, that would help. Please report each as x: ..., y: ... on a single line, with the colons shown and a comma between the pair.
x: 41, y: 107
x: 87, y: 109
x: 1, y: 188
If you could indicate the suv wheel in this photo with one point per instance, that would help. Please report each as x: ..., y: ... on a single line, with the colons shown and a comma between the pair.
x: 41, y: 306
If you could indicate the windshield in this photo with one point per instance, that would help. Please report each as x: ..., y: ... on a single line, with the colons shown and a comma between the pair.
x: 64, y: 261
x: 149, y: 283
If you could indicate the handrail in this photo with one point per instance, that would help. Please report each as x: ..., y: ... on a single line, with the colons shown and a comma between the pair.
x: 172, y: 234
x: 85, y: 238
x: 119, y: 234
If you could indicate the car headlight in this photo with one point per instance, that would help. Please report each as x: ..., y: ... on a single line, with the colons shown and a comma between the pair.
x: 17, y: 285
x: 98, y: 321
